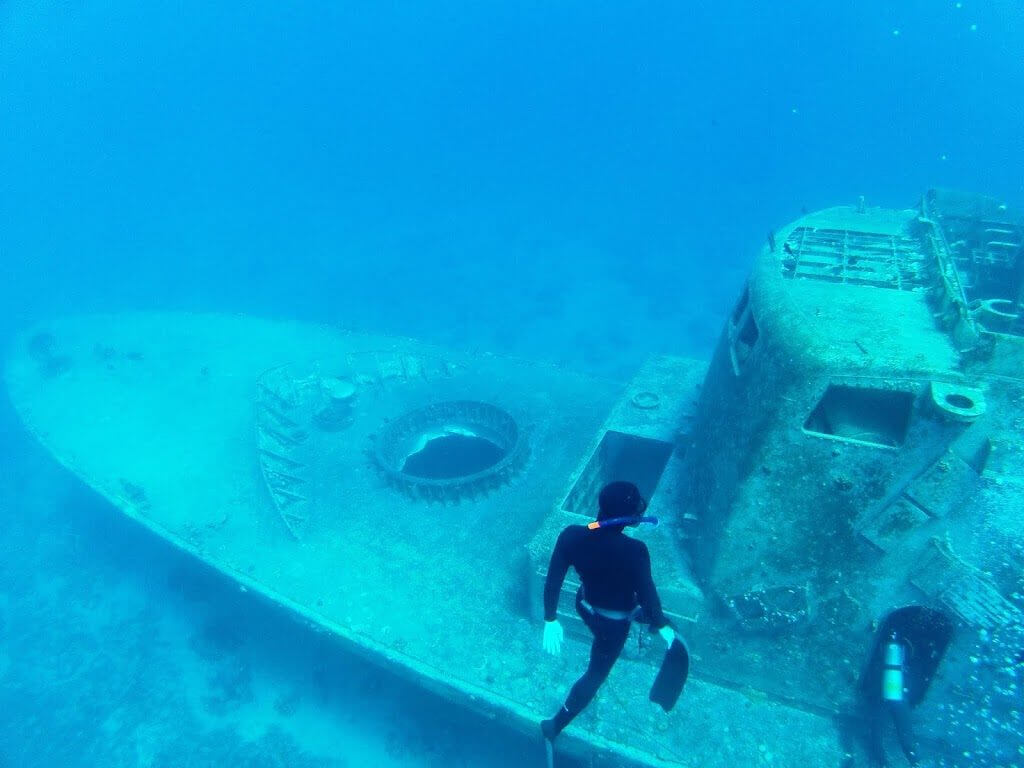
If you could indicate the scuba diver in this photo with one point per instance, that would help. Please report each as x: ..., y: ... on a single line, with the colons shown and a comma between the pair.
x: 892, y: 699
x: 911, y: 643
x: 617, y: 588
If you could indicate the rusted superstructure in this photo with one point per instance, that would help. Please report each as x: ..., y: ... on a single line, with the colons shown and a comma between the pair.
x: 855, y: 448
x: 858, y: 450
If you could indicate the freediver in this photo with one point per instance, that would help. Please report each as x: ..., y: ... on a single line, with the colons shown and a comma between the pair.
x: 616, y: 589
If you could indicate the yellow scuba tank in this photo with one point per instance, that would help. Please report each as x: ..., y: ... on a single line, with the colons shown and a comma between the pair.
x: 892, y: 671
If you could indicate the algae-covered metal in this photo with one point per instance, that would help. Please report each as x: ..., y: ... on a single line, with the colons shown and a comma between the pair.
x: 850, y: 453
x: 858, y: 450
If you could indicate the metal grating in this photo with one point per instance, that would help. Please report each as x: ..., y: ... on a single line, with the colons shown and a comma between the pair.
x: 857, y: 258
x: 978, y: 245
x: 988, y: 256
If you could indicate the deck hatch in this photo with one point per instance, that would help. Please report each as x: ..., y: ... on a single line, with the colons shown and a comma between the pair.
x: 619, y: 456
x: 878, y: 417
x: 856, y: 258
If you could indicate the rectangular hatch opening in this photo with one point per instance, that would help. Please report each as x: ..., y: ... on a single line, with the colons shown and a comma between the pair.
x: 619, y: 456
x: 878, y: 417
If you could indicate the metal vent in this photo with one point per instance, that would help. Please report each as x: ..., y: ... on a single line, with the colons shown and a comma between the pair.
x: 857, y: 258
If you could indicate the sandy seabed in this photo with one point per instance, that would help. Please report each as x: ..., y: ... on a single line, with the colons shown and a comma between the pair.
x: 116, y: 650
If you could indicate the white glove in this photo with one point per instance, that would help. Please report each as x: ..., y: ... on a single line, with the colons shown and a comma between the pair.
x: 553, y: 634
x: 667, y: 634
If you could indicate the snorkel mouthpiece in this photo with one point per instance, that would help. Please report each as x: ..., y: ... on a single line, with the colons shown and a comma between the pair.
x: 621, y: 521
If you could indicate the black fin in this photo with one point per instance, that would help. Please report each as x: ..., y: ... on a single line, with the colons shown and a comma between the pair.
x: 668, y: 685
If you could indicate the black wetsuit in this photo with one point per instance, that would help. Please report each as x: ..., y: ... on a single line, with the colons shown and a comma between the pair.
x: 615, y: 570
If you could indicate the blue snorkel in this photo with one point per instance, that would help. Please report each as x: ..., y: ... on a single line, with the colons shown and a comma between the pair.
x: 621, y: 521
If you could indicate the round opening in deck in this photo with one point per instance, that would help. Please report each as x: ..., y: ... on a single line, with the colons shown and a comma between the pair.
x: 456, y: 452
x: 956, y: 402
x: 451, y: 449
x: 959, y: 401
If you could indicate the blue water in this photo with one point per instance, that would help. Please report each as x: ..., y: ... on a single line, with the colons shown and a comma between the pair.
x: 575, y: 181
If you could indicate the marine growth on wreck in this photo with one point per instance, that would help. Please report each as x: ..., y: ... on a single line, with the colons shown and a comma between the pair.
x: 848, y: 466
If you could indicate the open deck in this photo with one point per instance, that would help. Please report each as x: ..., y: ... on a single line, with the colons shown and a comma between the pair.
x: 216, y: 433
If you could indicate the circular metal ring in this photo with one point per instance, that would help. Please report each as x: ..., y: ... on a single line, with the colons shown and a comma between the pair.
x: 646, y: 401
x: 410, y: 432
